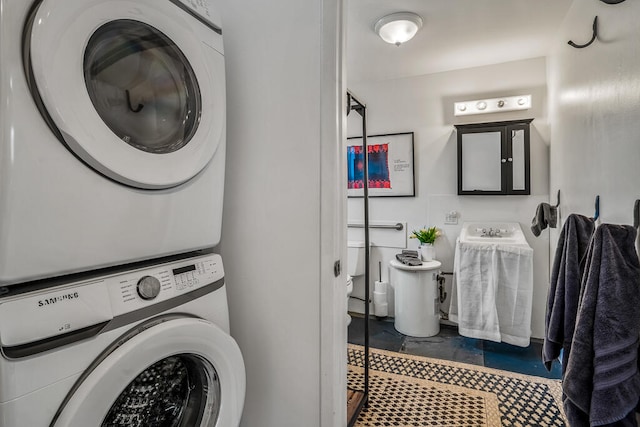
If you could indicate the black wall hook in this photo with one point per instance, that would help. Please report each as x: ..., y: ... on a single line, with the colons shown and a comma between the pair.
x: 612, y: 1
x: 558, y: 204
x: 597, y: 214
x: 136, y: 109
x: 636, y: 214
x: 593, y: 38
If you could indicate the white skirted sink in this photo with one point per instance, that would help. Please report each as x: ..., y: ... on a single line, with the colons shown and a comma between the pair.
x: 492, y: 289
x: 493, y: 232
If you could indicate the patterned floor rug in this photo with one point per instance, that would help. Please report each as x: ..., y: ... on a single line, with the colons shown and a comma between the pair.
x: 406, y: 390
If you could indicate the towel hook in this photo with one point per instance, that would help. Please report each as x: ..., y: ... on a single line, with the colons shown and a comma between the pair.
x: 593, y: 37
x: 135, y: 109
x: 636, y: 214
x: 597, y: 214
x: 558, y: 204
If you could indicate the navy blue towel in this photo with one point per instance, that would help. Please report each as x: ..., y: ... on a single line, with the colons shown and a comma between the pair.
x: 564, y: 290
x: 601, y: 382
x: 546, y: 215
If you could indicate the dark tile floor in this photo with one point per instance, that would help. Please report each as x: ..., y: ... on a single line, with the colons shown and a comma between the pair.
x: 449, y: 345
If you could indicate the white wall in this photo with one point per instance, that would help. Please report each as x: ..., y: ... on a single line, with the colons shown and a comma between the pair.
x: 282, y: 228
x: 424, y: 105
x: 594, y: 108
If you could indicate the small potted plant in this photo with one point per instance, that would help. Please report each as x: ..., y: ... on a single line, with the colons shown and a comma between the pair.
x: 427, y: 237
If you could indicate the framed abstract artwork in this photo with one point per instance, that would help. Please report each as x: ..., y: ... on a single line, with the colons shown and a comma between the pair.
x: 390, y: 165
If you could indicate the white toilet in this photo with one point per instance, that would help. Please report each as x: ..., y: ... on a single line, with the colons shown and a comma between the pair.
x: 349, y: 291
x: 355, y: 267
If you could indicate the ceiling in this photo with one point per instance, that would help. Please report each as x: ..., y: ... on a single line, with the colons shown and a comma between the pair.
x: 456, y: 34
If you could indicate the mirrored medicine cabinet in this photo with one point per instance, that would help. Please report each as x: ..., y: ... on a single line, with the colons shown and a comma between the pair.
x: 493, y: 158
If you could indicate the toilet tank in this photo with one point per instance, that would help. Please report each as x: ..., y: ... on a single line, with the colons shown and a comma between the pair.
x: 355, y: 258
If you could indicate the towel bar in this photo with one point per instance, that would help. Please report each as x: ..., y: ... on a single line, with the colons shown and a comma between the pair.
x: 398, y: 226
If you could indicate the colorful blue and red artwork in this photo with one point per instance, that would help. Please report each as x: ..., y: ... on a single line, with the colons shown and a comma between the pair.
x: 378, y: 166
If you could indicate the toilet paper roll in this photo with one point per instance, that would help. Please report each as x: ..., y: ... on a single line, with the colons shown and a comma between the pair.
x: 381, y: 310
x: 379, y: 297
x: 380, y: 286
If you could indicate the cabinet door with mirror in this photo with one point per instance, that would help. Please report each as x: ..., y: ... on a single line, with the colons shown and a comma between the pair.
x: 493, y: 158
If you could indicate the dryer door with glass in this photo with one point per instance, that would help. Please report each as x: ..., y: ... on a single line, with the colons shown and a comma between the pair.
x: 134, y: 88
x: 171, y: 371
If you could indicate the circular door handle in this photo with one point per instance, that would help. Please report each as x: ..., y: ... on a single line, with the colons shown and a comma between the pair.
x: 510, y: 159
x: 504, y: 160
x: 148, y: 287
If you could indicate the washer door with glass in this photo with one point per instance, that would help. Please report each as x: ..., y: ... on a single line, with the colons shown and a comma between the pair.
x: 169, y: 372
x: 133, y: 88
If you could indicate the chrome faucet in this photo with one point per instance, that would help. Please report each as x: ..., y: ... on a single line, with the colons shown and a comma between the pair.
x: 491, y: 232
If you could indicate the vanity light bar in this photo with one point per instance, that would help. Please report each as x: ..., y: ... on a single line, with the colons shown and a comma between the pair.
x: 493, y: 105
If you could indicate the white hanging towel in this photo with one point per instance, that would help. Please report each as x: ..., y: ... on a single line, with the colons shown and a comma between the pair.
x: 492, y: 292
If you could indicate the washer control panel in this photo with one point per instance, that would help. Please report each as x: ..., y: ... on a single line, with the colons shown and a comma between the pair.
x: 141, y: 288
x: 63, y: 309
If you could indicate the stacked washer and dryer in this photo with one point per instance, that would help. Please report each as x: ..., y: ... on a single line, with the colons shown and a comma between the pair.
x: 113, y: 306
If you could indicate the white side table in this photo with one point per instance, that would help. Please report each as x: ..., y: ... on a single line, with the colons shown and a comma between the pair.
x: 417, y: 302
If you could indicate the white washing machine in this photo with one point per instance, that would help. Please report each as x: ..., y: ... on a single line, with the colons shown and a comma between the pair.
x: 139, y: 348
x: 112, y: 133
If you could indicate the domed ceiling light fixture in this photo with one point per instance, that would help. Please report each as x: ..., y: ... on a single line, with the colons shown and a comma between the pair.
x: 398, y: 28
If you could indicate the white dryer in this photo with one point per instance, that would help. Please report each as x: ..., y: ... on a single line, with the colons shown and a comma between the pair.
x: 112, y: 133
x: 148, y: 347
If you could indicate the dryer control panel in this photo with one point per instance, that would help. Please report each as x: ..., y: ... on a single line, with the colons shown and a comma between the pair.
x: 201, y: 8
x: 68, y: 308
